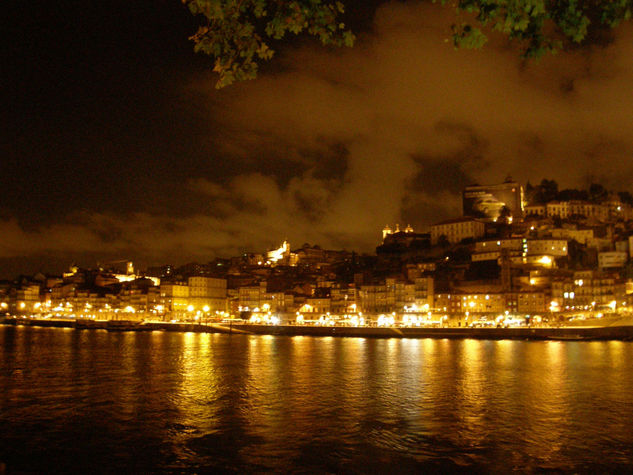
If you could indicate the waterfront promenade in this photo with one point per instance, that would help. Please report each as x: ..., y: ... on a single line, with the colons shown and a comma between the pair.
x: 616, y: 331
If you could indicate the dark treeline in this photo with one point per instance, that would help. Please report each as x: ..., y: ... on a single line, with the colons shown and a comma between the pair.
x: 548, y: 191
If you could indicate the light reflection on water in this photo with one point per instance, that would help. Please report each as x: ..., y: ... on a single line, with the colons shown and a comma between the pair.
x: 155, y: 401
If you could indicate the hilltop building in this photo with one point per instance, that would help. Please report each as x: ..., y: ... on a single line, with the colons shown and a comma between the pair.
x: 489, y: 202
x: 458, y: 229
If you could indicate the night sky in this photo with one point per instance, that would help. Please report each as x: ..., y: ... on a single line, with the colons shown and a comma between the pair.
x: 115, y: 144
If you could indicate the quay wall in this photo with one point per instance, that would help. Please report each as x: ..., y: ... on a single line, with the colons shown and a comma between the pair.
x: 521, y: 333
x: 624, y: 332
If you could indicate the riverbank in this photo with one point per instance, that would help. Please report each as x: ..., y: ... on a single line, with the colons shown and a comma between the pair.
x: 116, y: 325
x: 615, y: 332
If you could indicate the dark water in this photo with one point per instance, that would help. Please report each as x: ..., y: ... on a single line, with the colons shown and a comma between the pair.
x: 92, y: 401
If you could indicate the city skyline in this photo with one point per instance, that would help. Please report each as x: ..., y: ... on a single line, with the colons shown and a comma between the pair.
x: 118, y: 145
x: 594, y: 206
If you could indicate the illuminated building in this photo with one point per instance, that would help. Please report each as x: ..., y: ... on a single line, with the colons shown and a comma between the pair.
x: 207, y: 292
x: 131, y: 277
x: 535, y: 210
x: 85, y: 299
x: 388, y: 231
x: 316, y: 305
x: 612, y: 259
x: 417, y: 269
x: 550, y: 247
x: 557, y: 208
x: 373, y: 298
x: 492, y: 303
x: 455, y: 230
x: 588, y: 289
x: 281, y: 256
x: 539, y: 252
x: 459, y: 303
x: 174, y: 298
x: 140, y: 297
x: 278, y: 301
x: 393, y: 295
x: 489, y: 303
x: 343, y: 299
x: 583, y: 236
x: 104, y: 279
x: 618, y: 210
x: 594, y: 211
x: 515, y: 244
x: 601, y: 212
x: 251, y: 296
x: 403, y: 243
x: 487, y: 201
x: 61, y: 292
x: 527, y: 303
x: 316, y: 257
x: 26, y: 299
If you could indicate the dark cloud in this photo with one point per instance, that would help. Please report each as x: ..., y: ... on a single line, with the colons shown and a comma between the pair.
x: 452, y: 171
x: 439, y: 175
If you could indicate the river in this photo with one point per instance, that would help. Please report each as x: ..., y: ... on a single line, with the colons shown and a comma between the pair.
x: 99, y: 402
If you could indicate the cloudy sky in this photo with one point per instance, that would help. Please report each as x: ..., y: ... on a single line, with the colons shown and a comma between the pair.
x: 115, y: 144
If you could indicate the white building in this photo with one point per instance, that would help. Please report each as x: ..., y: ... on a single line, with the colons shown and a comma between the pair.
x: 612, y: 259
x: 582, y: 236
x: 457, y: 229
x: 548, y: 247
x: 536, y: 210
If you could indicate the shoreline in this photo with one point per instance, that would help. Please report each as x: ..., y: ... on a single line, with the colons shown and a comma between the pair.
x: 568, y: 333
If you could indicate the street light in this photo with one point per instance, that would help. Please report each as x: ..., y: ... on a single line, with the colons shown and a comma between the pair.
x: 190, y: 309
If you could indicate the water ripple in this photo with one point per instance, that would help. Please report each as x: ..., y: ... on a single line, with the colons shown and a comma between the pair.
x: 174, y: 403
